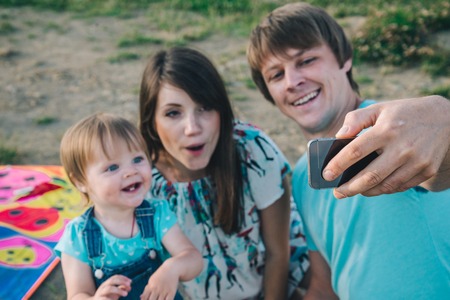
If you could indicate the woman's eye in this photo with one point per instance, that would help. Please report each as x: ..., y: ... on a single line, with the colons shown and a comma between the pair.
x: 206, y: 108
x: 138, y: 159
x: 112, y: 168
x: 172, y: 113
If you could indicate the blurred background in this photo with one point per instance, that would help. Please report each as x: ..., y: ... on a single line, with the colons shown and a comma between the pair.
x: 61, y: 60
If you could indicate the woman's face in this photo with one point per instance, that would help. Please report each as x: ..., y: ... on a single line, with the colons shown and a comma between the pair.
x: 188, y: 131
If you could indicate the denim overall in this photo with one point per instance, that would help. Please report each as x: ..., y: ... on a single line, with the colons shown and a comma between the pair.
x: 138, y: 271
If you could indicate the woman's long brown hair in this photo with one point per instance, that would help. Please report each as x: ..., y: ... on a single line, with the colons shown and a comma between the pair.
x: 194, y: 73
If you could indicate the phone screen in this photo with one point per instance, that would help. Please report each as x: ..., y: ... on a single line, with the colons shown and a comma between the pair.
x: 320, y: 152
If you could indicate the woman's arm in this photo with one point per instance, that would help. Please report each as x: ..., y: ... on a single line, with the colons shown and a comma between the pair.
x: 275, y: 231
x: 320, y: 285
x: 185, y: 264
x: 80, y: 285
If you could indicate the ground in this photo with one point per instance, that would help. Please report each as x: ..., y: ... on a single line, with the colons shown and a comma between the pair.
x: 56, y: 67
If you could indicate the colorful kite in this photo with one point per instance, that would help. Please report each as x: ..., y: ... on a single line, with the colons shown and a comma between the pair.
x: 36, y: 202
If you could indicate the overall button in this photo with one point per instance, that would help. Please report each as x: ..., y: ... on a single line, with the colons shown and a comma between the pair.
x: 98, y: 274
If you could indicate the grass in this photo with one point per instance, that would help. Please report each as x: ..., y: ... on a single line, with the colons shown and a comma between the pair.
x: 249, y: 83
x: 364, y: 79
x: 396, y: 32
x: 137, y: 39
x: 440, y: 90
x: 52, y: 26
x: 8, y: 155
x: 401, y: 35
x: 45, y: 120
x: 6, y: 28
x: 123, y: 57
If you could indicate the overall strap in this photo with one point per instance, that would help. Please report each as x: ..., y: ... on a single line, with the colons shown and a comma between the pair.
x: 92, y: 235
x: 144, y: 217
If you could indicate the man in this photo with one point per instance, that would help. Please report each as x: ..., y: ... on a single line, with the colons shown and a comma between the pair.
x: 389, y: 246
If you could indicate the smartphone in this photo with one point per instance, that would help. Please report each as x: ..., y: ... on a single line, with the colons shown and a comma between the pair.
x: 320, y: 152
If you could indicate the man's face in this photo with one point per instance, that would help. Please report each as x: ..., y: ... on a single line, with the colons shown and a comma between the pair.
x: 309, y: 87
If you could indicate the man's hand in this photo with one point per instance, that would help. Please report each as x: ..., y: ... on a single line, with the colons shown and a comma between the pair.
x: 412, y: 138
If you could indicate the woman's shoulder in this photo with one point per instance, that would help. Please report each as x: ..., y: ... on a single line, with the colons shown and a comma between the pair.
x: 244, y: 132
x: 159, y: 183
x: 249, y: 136
x: 239, y: 125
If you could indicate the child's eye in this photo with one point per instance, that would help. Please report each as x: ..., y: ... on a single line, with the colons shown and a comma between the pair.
x: 138, y: 159
x: 112, y: 168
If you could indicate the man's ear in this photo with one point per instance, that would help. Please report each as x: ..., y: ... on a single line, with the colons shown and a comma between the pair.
x: 347, y: 64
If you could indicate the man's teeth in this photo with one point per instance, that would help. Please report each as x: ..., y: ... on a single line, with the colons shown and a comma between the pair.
x: 305, y: 99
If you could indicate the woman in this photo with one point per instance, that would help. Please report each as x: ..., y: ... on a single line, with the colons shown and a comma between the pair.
x: 224, y: 179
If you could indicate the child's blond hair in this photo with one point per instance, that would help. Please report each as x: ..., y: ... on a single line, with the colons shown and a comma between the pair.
x: 98, y: 130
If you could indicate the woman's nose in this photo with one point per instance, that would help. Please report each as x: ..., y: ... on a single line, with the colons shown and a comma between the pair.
x: 192, y: 125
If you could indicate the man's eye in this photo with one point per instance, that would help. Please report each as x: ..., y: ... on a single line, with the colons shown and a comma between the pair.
x: 307, y: 61
x: 112, y: 168
x: 275, y: 76
x: 138, y: 159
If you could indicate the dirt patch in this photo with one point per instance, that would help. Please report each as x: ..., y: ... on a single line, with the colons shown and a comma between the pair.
x: 56, y: 66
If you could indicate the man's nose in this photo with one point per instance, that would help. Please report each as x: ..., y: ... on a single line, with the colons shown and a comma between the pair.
x: 294, y: 77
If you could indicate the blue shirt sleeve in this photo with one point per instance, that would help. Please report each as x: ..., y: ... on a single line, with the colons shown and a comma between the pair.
x: 71, y: 242
x: 164, y: 219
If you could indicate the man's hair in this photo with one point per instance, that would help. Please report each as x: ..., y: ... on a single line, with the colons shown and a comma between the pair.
x: 297, y: 26
x: 98, y: 131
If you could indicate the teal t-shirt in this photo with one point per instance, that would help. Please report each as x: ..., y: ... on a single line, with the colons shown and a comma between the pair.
x: 118, y: 251
x: 393, y: 246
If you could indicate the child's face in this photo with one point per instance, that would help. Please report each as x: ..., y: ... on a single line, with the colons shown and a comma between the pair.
x: 120, y: 181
